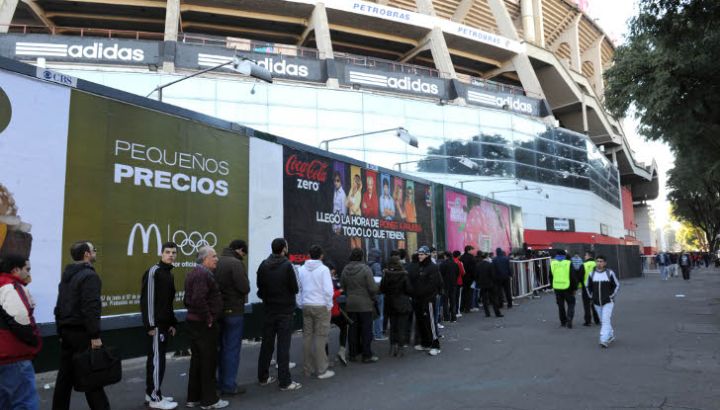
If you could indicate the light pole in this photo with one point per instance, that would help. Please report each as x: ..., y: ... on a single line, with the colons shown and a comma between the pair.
x: 400, y: 132
x: 239, y: 64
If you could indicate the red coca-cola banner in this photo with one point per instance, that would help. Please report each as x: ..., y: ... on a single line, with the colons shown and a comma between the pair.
x: 314, y: 170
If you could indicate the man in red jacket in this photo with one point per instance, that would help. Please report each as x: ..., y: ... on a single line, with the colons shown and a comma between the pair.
x: 204, y: 306
x: 19, y: 336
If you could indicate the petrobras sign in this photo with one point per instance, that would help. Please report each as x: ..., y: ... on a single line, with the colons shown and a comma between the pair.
x: 481, y: 36
x: 96, y: 50
x: 280, y: 66
x: 395, y: 82
x: 489, y: 97
x: 369, y: 9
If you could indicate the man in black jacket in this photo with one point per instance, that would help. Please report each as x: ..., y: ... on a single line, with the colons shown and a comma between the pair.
x: 158, y: 315
x: 77, y: 317
x: 485, y: 279
x: 234, y: 286
x: 503, y: 273
x: 449, y: 271
x: 426, y: 284
x: 277, y: 286
x: 468, y: 261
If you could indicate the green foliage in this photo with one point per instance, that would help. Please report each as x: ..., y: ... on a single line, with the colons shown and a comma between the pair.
x: 668, y: 72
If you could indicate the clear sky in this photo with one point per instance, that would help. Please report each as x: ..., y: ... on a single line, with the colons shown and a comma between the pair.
x: 613, y: 16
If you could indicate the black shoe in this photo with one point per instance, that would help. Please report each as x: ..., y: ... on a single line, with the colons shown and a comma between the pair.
x: 569, y: 326
x: 499, y: 315
x: 238, y: 390
x: 562, y: 324
x: 487, y: 314
x: 587, y: 324
x: 371, y: 359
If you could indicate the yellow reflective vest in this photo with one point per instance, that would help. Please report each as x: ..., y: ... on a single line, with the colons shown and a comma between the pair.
x: 589, y: 267
x: 561, y: 274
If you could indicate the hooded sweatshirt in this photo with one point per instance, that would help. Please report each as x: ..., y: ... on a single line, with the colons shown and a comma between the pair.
x: 374, y: 262
x: 501, y: 264
x: 316, y: 288
x: 577, y: 271
x: 78, y: 303
x: 396, y: 287
x: 277, y: 284
x: 360, y: 287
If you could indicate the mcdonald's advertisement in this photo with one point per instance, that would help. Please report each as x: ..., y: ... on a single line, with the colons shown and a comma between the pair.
x: 341, y: 206
x: 127, y: 179
x: 141, y: 178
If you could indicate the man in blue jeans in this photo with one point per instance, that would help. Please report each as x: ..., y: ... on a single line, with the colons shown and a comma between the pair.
x: 234, y: 285
x: 374, y: 258
x: 19, y: 336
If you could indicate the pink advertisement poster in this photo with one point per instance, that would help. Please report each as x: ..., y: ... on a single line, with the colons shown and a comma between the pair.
x: 472, y: 221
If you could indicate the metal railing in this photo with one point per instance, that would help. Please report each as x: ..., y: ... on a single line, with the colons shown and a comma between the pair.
x: 529, y: 276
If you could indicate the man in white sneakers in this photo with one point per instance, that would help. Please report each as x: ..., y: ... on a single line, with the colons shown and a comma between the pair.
x: 316, y: 300
x: 602, y: 286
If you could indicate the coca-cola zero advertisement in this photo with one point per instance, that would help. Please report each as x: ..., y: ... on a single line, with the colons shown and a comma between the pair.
x: 340, y: 206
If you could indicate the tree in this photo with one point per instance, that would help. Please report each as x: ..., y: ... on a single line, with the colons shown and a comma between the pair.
x: 695, y: 196
x: 668, y: 72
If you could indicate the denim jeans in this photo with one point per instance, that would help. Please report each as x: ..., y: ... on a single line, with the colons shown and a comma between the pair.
x: 17, y: 386
x: 378, y: 323
x: 229, y: 359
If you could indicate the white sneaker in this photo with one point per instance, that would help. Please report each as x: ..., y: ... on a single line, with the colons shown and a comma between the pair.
x: 164, y: 398
x: 440, y: 326
x: 192, y: 404
x: 459, y: 315
x: 292, y: 386
x: 475, y: 309
x: 434, y: 352
x: 418, y: 348
x: 328, y: 374
x: 291, y: 365
x: 221, y: 404
x: 162, y: 404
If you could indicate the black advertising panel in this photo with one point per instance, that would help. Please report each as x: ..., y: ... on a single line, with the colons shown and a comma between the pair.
x: 341, y: 206
x: 560, y: 224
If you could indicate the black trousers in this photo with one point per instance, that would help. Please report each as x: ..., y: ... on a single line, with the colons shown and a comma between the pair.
x: 425, y: 323
x: 685, y: 272
x: 488, y: 297
x: 72, y: 341
x: 589, y: 309
x: 361, y: 334
x: 155, y: 365
x: 399, y: 334
x: 467, y: 295
x: 563, y: 297
x: 343, y: 325
x: 276, y: 326
x: 202, y: 381
x: 503, y: 289
x: 450, y: 303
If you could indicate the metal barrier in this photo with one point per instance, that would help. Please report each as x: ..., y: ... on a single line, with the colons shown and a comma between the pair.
x: 529, y: 276
x: 649, y: 264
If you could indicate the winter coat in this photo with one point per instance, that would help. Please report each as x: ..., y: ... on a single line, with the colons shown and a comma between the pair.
x: 233, y: 281
x: 449, y: 270
x: 202, y: 296
x: 602, y: 287
x: 78, y: 303
x: 19, y: 335
x: 360, y: 287
x: 158, y: 296
x: 501, y: 264
x: 277, y: 284
x: 425, y: 280
x: 468, y: 261
x: 485, y: 274
x: 396, y: 287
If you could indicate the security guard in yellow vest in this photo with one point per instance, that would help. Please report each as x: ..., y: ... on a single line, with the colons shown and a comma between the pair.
x: 564, y: 285
x: 587, y: 301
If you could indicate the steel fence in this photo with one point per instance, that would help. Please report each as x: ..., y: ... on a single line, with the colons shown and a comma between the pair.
x: 529, y: 276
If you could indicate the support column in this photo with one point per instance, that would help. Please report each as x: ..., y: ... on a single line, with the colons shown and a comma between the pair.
x: 172, y: 22
x: 571, y: 36
x: 528, y: 20
x: 594, y: 55
x: 438, y: 46
x: 319, y: 23
x: 539, y: 23
x: 521, y: 61
x: 7, y: 11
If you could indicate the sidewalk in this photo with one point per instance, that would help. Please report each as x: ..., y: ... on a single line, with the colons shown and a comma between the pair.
x: 666, y: 356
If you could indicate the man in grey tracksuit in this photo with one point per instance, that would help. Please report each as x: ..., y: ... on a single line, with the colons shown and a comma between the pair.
x: 602, y: 286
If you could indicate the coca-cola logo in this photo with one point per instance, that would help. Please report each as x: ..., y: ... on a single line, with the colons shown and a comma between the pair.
x: 314, y: 170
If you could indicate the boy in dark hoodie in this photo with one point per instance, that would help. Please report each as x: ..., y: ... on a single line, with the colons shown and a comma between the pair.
x: 426, y: 284
x: 396, y: 286
x: 503, y: 273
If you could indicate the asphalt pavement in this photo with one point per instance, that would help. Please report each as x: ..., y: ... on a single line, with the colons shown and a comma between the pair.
x: 666, y: 356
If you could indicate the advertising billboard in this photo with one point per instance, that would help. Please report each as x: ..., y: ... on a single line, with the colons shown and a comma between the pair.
x: 83, y: 167
x: 470, y: 220
x: 341, y: 206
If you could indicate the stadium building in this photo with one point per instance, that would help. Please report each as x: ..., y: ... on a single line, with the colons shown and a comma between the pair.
x: 504, y: 97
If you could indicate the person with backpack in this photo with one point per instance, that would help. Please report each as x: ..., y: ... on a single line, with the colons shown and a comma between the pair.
x: 602, y: 287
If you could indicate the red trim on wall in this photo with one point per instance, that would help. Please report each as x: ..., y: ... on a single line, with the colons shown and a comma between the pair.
x: 649, y: 250
x: 545, y: 239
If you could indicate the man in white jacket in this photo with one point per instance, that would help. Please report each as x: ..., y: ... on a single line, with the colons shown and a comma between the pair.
x: 316, y: 300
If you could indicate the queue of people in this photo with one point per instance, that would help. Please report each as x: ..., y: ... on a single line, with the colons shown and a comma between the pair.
x: 424, y: 290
